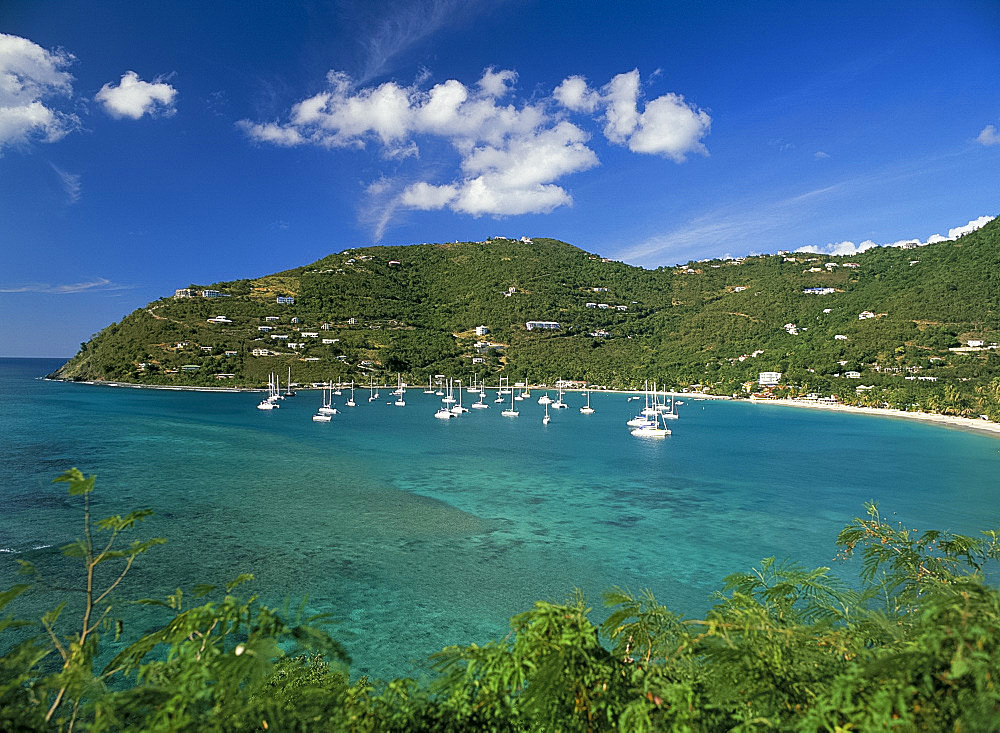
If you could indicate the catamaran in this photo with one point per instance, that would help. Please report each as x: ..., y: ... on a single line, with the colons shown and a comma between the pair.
x: 652, y: 431
x: 587, y: 409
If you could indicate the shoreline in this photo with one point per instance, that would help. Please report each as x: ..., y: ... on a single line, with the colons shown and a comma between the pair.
x: 968, y: 424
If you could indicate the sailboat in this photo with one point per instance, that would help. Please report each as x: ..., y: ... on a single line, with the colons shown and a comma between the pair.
x: 430, y: 389
x: 559, y: 404
x: 652, y: 431
x: 587, y: 409
x: 372, y: 395
x: 671, y: 412
x: 545, y: 399
x: 458, y: 409
x: 326, y: 410
x: 650, y: 409
x: 269, y: 402
x: 500, y: 392
x: 546, y: 419
x: 511, y: 412
x: 449, y: 398
x: 289, y: 392
x: 400, y: 391
x: 474, y: 387
x: 480, y: 405
x: 350, y: 402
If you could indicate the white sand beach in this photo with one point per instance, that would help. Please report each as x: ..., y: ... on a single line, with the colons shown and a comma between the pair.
x: 962, y: 423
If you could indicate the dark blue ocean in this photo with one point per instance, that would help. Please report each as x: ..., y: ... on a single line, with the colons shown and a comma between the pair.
x: 415, y: 533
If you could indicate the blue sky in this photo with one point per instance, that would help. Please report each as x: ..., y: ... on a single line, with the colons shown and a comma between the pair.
x: 145, y: 146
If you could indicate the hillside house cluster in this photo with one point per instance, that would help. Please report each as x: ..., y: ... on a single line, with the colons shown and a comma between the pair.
x: 768, y: 379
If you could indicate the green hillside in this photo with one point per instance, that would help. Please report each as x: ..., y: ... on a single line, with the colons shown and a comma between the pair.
x: 715, y: 324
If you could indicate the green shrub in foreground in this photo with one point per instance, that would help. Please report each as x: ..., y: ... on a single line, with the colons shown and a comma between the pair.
x: 914, y: 647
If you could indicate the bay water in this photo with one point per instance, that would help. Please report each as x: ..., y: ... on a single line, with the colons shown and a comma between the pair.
x: 415, y: 533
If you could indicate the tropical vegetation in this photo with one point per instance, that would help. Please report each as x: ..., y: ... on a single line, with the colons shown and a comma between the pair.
x: 888, y: 327
x: 912, y: 644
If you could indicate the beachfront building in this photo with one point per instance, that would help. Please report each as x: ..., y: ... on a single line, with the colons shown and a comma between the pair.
x: 542, y: 325
x: 769, y: 379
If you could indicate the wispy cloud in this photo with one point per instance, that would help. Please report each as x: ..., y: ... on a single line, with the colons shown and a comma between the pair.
x: 721, y: 230
x: 388, y: 29
x: 99, y: 284
x: 70, y: 183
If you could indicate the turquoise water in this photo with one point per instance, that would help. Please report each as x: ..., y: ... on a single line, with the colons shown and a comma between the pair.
x: 416, y: 533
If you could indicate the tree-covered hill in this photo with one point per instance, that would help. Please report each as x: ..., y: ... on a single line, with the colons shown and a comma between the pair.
x: 376, y: 311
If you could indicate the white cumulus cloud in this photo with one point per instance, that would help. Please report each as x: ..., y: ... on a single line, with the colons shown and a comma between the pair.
x: 845, y: 248
x: 666, y: 125
x: 670, y: 127
x: 989, y: 136
x: 574, y: 94
x: 134, y: 97
x: 512, y: 155
x: 972, y: 226
x: 849, y: 248
x: 29, y: 77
